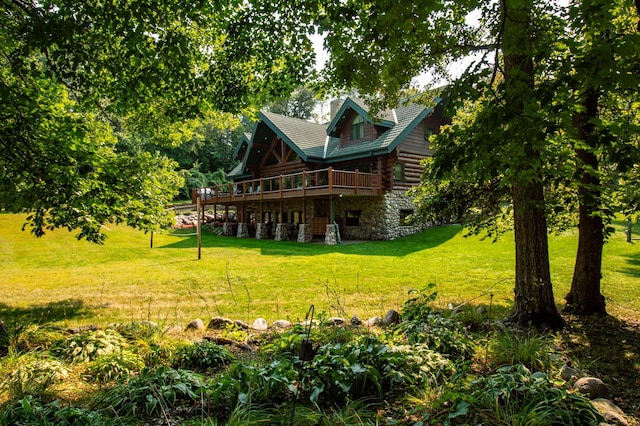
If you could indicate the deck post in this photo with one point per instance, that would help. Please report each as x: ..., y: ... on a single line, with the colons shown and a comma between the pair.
x: 357, y: 180
x: 199, y: 228
x: 330, y: 172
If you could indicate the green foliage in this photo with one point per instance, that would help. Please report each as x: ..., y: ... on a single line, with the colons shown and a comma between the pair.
x: 138, y: 330
x: 300, y: 104
x: 513, y: 395
x: 511, y: 348
x: 369, y: 367
x: 153, y: 392
x: 30, y: 411
x: 422, y: 324
x: 74, y: 73
x: 88, y: 346
x: 202, y: 356
x: 115, y: 366
x: 27, y: 338
x: 31, y: 374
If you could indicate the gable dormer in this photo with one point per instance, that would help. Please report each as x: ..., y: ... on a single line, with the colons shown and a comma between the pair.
x: 353, y: 124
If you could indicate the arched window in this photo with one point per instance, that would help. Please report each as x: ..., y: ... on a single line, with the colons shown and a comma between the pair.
x: 357, y: 128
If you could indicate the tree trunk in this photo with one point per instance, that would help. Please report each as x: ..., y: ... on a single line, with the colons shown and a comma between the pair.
x: 584, y: 297
x: 534, y: 303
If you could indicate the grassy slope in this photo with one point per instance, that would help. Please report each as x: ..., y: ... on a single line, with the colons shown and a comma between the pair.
x: 57, y: 278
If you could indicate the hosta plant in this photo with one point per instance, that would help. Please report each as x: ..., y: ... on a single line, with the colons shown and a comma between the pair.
x: 90, y: 345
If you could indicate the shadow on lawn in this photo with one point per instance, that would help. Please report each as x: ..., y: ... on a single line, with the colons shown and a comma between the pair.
x: 633, y: 260
x: 42, y: 314
x: 429, y: 238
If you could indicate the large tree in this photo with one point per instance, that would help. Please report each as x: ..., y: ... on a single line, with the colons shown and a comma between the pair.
x: 74, y: 72
x: 600, y: 69
x: 379, y: 47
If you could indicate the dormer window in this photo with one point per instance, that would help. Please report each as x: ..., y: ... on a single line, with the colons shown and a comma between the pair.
x: 357, y: 129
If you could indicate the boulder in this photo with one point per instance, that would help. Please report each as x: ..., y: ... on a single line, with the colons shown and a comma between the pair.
x: 243, y: 325
x: 282, y: 323
x: 392, y: 317
x: 372, y: 322
x: 355, y: 321
x: 196, y: 325
x: 610, y: 411
x: 260, y: 324
x: 337, y: 321
x: 592, y: 387
x: 218, y: 323
x: 568, y: 373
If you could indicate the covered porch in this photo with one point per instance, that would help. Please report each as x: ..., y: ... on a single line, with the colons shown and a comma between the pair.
x: 264, y: 206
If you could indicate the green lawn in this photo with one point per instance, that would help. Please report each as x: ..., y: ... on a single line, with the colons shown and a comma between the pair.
x: 58, y: 279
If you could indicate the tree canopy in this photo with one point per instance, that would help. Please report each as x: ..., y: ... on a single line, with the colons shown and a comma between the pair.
x: 505, y: 159
x: 74, y: 73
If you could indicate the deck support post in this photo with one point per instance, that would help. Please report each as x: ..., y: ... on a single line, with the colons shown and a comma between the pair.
x: 199, y: 228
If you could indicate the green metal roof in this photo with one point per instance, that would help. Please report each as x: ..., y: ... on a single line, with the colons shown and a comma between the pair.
x: 315, y: 142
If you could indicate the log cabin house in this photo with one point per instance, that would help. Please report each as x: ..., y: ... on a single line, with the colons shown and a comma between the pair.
x: 347, y: 179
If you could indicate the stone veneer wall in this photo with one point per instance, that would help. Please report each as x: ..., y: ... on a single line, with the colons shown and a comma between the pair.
x: 379, y: 218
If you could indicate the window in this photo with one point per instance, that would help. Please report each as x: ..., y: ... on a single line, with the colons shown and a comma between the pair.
x: 352, y: 217
x: 357, y: 128
x: 405, y: 216
x: 398, y: 172
x: 428, y: 131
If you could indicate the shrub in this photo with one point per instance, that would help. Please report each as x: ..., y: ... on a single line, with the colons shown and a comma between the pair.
x: 31, y: 375
x: 369, y: 367
x: 153, y: 392
x: 509, y: 348
x: 115, y: 366
x: 138, y: 330
x: 422, y: 324
x: 515, y: 396
x: 201, y: 356
x: 32, y: 411
x: 90, y: 345
x: 31, y: 337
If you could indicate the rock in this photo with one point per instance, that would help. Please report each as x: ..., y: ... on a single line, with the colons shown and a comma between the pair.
x: 610, y: 411
x: 260, y: 324
x: 568, y: 373
x: 196, y: 324
x: 481, y: 310
x: 174, y: 329
x: 592, y: 387
x: 372, y: 322
x: 392, y: 317
x: 282, y: 323
x: 218, y: 323
x: 218, y: 340
x: 355, y: 320
x: 337, y: 321
x: 243, y: 325
x: 82, y: 329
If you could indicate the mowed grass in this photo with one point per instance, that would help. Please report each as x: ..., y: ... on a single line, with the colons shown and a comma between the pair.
x: 60, y: 280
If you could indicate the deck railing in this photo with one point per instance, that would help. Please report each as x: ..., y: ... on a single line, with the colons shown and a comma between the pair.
x: 317, y: 182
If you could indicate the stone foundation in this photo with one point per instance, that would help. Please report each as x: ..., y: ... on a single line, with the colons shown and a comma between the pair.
x: 227, y: 229
x: 261, y: 231
x: 332, y: 235
x: 304, y: 233
x: 243, y: 230
x: 282, y: 232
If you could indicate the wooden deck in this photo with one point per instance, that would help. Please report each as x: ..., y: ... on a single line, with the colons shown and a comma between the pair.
x: 324, y: 182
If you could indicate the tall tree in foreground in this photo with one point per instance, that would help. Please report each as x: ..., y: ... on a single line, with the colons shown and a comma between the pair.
x: 380, y: 47
x: 603, y: 58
